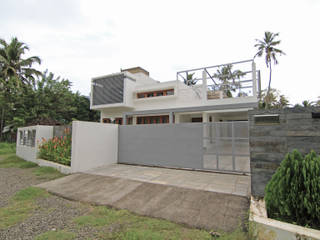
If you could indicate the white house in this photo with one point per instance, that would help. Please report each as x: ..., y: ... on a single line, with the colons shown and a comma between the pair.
x: 131, y: 96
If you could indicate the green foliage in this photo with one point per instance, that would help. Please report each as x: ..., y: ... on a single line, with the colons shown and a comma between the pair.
x: 12, y: 161
x: 273, y: 100
x: 28, y: 96
x: 54, y: 235
x: 57, y: 149
x: 227, y: 78
x: 267, y: 47
x: 7, y: 148
x: 190, y: 80
x: 293, y: 193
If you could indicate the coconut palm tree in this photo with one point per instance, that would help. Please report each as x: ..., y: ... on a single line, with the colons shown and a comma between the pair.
x: 15, y: 73
x: 267, y: 47
x: 13, y: 68
x: 227, y: 78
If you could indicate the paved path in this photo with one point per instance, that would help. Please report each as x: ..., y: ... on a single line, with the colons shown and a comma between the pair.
x: 166, y: 196
x: 208, y: 181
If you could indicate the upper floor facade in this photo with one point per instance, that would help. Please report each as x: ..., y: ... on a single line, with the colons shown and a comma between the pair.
x: 133, y: 90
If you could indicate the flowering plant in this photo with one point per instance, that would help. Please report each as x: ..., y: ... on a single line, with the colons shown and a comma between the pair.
x: 57, y: 149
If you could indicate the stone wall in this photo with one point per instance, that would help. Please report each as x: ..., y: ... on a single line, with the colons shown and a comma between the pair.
x: 270, y: 142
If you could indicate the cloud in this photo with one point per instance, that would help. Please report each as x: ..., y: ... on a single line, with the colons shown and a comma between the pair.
x: 56, y: 14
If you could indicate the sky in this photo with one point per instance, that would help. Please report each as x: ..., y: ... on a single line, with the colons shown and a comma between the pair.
x: 82, y: 39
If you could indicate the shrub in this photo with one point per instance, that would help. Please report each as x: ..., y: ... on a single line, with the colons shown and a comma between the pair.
x: 57, y: 149
x: 293, y: 193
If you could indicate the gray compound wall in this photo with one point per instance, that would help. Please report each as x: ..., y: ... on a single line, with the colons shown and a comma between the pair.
x: 297, y: 128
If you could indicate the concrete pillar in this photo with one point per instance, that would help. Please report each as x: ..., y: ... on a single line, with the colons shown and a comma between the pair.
x: 254, y: 79
x: 206, y: 127
x: 177, y: 118
x: 205, y: 117
x: 124, y: 119
x: 204, y: 87
x: 171, y: 117
x: 134, y: 120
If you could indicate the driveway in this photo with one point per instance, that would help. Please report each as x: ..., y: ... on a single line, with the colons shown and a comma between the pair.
x: 207, y: 181
x: 197, y: 199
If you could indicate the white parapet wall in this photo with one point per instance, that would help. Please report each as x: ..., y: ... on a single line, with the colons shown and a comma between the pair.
x: 93, y: 145
x: 29, y: 139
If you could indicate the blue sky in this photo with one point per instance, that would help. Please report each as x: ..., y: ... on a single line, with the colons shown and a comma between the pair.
x: 79, y: 40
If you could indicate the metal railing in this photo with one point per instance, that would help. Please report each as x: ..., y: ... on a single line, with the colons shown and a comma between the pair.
x: 237, y: 79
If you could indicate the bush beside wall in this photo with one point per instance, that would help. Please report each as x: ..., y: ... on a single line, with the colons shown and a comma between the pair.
x: 57, y: 149
x: 293, y: 193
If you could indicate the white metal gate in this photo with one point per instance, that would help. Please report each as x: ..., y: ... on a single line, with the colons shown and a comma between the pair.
x: 226, y: 146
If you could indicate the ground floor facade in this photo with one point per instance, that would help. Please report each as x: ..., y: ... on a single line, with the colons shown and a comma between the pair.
x: 178, y: 115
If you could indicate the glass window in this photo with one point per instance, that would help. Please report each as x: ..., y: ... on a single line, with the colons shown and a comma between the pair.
x: 21, y: 137
x: 159, y: 93
x: 140, y: 95
x: 170, y: 92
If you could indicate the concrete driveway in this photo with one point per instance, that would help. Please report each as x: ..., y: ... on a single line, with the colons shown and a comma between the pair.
x: 207, y: 181
x: 198, y: 199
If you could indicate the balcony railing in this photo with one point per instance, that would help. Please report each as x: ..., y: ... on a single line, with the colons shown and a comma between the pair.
x: 231, y: 80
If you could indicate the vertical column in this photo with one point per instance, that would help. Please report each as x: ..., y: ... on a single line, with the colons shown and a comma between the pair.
x: 254, y: 79
x: 204, y: 87
x: 171, y: 117
x: 233, y: 147
x: 206, y: 126
x: 134, y: 120
x: 177, y: 118
x: 124, y: 119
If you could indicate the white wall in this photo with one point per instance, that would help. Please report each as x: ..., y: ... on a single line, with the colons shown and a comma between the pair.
x: 93, y: 145
x: 30, y: 153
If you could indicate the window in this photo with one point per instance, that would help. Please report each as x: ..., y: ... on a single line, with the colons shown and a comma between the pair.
x: 106, y: 120
x: 315, y: 115
x: 153, y: 119
x: 168, y: 92
x: 267, y: 119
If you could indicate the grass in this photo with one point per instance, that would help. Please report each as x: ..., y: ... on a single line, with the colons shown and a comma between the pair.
x: 47, y: 173
x: 30, y: 194
x: 54, y: 235
x: 7, y: 148
x: 125, y: 225
x: 12, y: 161
x: 20, y: 207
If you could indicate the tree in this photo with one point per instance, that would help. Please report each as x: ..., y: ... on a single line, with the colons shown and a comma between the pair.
x: 267, y: 47
x: 16, y: 73
x: 227, y: 78
x: 15, y: 69
x: 190, y: 80
x: 274, y: 99
x: 306, y: 104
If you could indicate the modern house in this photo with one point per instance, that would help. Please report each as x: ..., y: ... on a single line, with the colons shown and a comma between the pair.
x: 218, y: 93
